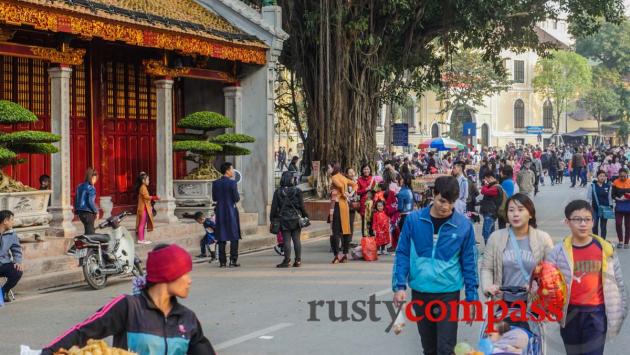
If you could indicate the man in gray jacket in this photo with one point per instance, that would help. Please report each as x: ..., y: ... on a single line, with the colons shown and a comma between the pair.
x: 10, y: 254
x: 526, y: 179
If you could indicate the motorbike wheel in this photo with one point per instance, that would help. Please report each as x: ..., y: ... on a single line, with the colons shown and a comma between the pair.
x: 90, y: 265
x: 137, y: 271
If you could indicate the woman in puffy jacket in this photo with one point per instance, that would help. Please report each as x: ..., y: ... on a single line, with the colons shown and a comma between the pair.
x: 288, y: 206
x: 85, y: 201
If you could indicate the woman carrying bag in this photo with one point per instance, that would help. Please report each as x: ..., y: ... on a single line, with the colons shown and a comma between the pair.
x: 288, y: 214
x: 512, y: 253
x: 599, y: 194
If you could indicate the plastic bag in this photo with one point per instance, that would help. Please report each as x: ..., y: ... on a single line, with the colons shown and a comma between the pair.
x: 550, y: 286
x: 368, y: 248
x: 26, y: 350
x: 356, y: 253
x: 399, y: 323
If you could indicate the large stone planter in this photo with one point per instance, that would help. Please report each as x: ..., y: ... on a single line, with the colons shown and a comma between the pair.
x: 31, y: 211
x: 192, y: 196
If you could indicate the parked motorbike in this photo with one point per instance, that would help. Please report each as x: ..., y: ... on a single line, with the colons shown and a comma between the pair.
x: 109, y: 254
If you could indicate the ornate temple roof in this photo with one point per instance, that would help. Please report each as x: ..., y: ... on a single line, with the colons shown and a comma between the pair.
x: 181, y: 25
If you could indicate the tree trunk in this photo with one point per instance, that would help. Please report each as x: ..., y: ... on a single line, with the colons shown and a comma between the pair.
x: 341, y: 112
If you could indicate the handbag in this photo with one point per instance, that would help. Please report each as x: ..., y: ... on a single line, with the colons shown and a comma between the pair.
x: 303, y: 221
x: 605, y: 212
x: 274, y: 227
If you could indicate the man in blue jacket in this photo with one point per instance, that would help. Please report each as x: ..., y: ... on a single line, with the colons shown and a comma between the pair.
x: 436, y: 256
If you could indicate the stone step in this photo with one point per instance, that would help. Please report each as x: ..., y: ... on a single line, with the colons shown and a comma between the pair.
x: 64, y: 270
x: 48, y: 246
x: 50, y: 264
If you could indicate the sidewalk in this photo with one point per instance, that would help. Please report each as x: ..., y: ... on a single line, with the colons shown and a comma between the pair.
x: 47, y: 267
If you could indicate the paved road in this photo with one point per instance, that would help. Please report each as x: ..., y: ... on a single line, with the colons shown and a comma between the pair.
x: 259, y: 309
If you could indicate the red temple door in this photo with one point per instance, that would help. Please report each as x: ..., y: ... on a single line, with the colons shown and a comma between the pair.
x: 80, y: 127
x: 128, y: 142
x: 25, y: 81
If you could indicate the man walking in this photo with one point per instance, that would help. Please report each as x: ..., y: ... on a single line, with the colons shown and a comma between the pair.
x: 225, y: 194
x: 10, y: 254
x: 577, y: 164
x: 462, y: 181
x: 526, y: 179
x: 440, y: 244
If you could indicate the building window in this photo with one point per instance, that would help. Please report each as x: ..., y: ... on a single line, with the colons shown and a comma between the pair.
x: 555, y: 25
x: 519, y: 71
x: 485, y: 135
x: 519, y: 142
x: 435, y: 131
x: 548, y: 115
x: 519, y: 114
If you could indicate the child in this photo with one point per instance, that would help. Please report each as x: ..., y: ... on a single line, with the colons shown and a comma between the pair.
x: 208, y: 238
x: 381, y: 225
x: 508, y: 339
x: 591, y: 270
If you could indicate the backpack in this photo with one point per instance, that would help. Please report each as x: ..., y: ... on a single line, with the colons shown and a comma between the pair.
x: 502, y: 207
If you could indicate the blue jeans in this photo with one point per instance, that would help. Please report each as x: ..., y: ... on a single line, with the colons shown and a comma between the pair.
x: 488, y: 227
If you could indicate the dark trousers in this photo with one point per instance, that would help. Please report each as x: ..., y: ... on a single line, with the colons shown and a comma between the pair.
x: 585, y: 330
x: 87, y: 218
x: 337, y: 237
x: 12, y: 276
x: 436, y: 337
x: 292, y: 236
x: 575, y: 174
x: 602, y: 224
x: 205, y: 245
x: 622, y: 224
x: 233, y: 251
x: 553, y: 176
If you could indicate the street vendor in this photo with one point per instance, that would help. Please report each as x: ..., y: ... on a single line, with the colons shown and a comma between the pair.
x: 151, y: 322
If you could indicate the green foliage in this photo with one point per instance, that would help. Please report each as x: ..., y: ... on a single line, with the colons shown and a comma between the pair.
x: 33, y: 148
x: 205, y: 121
x: 562, y: 77
x: 601, y: 99
x: 204, y: 149
x: 233, y: 138
x: 29, y: 137
x: 30, y: 142
x: 10, y: 112
x: 624, y: 130
x: 234, y: 150
x: 188, y: 137
x: 468, y: 79
x: 609, y: 48
x: 6, y: 155
x: 197, y: 147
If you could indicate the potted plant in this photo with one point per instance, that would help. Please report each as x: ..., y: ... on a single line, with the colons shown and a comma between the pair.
x: 28, y: 204
x: 195, y: 189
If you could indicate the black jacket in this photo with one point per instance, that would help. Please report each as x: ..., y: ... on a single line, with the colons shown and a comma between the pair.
x: 139, y: 326
x: 287, y: 206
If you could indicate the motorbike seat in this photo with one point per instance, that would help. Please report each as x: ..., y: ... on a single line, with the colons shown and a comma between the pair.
x: 97, y: 238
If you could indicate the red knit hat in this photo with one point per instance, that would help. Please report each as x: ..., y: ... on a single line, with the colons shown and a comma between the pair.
x: 168, y: 264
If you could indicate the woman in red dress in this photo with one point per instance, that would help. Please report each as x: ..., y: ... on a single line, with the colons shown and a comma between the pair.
x: 366, y: 183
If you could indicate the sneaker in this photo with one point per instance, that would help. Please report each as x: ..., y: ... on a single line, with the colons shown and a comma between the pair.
x: 144, y: 242
x: 201, y: 256
x: 626, y: 246
x: 619, y: 245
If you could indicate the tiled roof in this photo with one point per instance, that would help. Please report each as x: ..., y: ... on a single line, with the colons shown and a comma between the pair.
x: 185, y: 16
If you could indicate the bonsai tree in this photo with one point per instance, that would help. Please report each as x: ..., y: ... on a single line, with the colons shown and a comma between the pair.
x: 202, y: 148
x: 12, y: 144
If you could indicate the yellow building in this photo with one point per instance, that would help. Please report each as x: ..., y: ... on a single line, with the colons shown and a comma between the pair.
x: 505, y: 117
